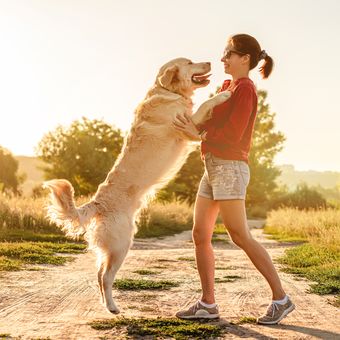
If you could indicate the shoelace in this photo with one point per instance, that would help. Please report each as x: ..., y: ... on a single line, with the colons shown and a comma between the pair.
x: 196, y: 307
x: 271, y: 308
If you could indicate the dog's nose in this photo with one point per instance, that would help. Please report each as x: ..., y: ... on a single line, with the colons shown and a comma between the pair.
x: 208, y: 63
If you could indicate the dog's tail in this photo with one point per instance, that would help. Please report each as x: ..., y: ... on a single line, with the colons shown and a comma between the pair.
x: 62, y: 210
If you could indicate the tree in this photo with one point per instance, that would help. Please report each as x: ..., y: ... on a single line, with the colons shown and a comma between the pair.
x: 82, y: 153
x: 9, y: 179
x: 185, y: 184
x: 303, y: 198
x: 266, y: 143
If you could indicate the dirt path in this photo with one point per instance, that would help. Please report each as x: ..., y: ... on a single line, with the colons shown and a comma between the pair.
x: 59, y: 301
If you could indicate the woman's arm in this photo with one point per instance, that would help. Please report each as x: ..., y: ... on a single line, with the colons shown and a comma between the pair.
x: 234, y: 127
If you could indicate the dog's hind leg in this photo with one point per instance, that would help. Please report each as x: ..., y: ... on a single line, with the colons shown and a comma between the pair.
x: 112, y: 263
x: 100, y: 280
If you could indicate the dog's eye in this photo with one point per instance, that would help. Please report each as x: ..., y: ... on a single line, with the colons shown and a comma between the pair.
x: 190, y: 63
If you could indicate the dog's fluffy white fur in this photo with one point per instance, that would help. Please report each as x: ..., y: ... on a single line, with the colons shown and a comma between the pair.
x: 152, y: 154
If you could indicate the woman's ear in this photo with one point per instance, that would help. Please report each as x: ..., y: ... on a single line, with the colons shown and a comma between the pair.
x: 246, y: 59
x: 168, y: 75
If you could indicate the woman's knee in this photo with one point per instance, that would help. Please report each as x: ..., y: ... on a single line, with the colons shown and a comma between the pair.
x: 241, y: 239
x: 200, y: 238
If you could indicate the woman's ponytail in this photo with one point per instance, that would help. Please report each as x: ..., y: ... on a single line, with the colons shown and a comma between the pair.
x: 267, y: 66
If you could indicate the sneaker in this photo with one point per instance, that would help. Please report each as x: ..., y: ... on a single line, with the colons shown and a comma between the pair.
x: 198, y: 311
x: 276, y: 312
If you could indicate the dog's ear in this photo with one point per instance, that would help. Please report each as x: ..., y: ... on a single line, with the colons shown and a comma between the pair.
x: 167, y: 77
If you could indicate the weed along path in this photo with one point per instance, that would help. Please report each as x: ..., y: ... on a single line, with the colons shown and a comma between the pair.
x: 60, y: 302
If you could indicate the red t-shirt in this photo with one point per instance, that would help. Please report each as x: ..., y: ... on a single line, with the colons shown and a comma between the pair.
x: 230, y: 129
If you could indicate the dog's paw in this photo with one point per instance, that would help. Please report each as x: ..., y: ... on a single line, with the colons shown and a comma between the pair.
x: 222, y: 97
x: 114, y: 311
x: 112, y: 308
x: 225, y: 94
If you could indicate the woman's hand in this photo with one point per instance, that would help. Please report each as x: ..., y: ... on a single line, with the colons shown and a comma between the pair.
x: 184, y: 124
x: 204, y: 136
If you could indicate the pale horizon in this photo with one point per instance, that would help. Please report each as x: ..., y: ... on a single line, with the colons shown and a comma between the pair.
x: 62, y: 60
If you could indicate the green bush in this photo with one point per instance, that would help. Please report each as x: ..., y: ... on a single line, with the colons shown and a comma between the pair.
x: 303, y: 197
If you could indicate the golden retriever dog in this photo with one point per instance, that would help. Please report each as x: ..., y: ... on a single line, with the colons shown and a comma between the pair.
x: 152, y: 154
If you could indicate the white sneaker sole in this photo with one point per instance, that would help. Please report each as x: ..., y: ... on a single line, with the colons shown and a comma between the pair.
x: 284, y: 314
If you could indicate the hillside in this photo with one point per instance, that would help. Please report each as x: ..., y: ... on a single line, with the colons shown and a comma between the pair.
x: 31, y: 166
x: 291, y: 177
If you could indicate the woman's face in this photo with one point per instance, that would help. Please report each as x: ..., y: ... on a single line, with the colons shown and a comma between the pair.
x: 233, y: 61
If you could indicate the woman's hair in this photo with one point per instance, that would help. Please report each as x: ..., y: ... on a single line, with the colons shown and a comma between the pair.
x: 247, y: 44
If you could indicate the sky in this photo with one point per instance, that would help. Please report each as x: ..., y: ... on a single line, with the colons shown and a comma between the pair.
x: 64, y: 59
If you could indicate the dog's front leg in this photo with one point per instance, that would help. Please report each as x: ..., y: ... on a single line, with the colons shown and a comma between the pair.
x: 203, y: 113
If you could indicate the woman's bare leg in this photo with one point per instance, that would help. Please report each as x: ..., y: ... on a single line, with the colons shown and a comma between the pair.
x: 234, y: 217
x: 205, y: 214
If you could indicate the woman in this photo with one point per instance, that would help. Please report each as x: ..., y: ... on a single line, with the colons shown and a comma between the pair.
x: 226, y: 140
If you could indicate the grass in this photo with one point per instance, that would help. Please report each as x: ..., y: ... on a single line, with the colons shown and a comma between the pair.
x: 336, y: 301
x: 220, y: 234
x: 166, y: 260
x: 220, y: 229
x: 318, y: 257
x: 13, y: 256
x: 227, y: 278
x: 281, y: 236
x: 244, y: 319
x: 7, y: 264
x: 145, y: 272
x: 141, y: 284
x: 160, y: 219
x: 18, y: 249
x: 317, y: 263
x: 186, y: 258
x: 217, y: 239
x: 25, y: 214
x: 19, y: 235
x: 27, y: 237
x: 146, y: 296
x: 26, y: 217
x: 225, y: 268
x: 321, y: 226
x: 161, y: 327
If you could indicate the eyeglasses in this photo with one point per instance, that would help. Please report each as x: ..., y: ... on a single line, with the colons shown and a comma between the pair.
x: 228, y: 53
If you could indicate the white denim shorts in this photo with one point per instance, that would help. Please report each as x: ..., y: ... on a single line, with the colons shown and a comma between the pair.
x: 224, y: 179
